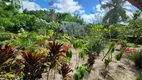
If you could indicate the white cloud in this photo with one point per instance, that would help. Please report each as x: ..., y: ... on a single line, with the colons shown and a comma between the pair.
x: 94, y: 17
x: 128, y: 6
x: 99, y: 9
x: 70, y: 6
x: 82, y: 11
x: 127, y: 3
x: 31, y: 6
x: 89, y: 18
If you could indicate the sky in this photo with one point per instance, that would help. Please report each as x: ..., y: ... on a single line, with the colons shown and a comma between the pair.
x: 89, y: 10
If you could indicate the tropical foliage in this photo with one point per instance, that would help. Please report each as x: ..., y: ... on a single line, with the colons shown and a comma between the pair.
x: 42, y: 41
x: 136, y: 56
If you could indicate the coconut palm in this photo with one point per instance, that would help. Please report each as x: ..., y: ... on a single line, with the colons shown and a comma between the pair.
x: 116, y: 11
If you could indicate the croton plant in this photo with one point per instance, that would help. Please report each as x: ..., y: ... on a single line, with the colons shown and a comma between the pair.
x: 8, y: 54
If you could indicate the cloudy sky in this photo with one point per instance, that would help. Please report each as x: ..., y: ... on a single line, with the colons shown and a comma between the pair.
x: 89, y: 10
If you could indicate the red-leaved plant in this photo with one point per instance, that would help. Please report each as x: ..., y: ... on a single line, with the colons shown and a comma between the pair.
x: 7, y: 56
x: 56, y: 52
x: 34, y: 64
x: 65, y: 70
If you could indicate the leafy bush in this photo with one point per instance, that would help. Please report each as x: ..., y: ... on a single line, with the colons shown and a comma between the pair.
x: 2, y: 29
x: 131, y: 45
x: 5, y: 36
x: 136, y: 57
x: 95, y: 40
x: 115, y: 32
x: 139, y: 76
x: 25, y: 40
x: 80, y: 72
x: 77, y: 43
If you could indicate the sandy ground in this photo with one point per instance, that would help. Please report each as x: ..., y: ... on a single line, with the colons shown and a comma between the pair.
x: 117, y: 70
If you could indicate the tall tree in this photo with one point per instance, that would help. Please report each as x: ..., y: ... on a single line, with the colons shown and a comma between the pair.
x: 10, y: 5
x: 116, y: 11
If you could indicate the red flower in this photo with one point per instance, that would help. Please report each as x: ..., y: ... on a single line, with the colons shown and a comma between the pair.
x: 66, y: 47
x: 124, y: 47
x: 128, y: 50
x: 69, y: 46
x: 118, y: 43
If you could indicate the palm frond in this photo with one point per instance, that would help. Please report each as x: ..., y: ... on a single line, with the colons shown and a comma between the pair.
x: 107, y: 5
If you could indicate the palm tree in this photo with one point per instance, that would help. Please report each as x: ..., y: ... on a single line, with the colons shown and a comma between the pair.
x: 116, y: 12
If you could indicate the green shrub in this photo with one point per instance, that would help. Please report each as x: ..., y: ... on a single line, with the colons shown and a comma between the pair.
x: 2, y: 29
x: 5, y: 36
x: 131, y: 45
x: 95, y: 40
x: 139, y: 76
x: 80, y: 72
x: 136, y: 56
